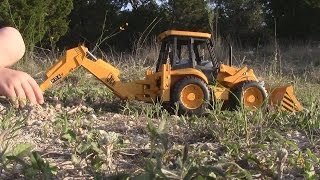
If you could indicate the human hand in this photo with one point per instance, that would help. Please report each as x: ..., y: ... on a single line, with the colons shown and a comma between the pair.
x: 19, y: 86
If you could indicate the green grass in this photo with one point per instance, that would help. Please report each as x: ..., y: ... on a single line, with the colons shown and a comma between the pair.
x: 105, y: 132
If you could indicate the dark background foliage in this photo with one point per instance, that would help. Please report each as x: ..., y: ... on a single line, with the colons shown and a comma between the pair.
x: 66, y: 23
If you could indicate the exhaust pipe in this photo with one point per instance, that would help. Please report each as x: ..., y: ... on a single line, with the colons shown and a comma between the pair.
x: 230, y: 55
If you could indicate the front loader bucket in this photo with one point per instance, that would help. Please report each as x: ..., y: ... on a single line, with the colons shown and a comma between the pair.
x: 284, y: 98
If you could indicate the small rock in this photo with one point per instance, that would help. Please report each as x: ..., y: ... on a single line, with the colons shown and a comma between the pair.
x: 59, y: 141
x: 55, y: 98
x: 2, y: 107
x: 131, y: 123
x: 58, y: 106
x: 69, y: 166
x: 80, y: 131
x: 86, y: 121
x: 37, y: 123
x: 207, y: 146
x: 116, y: 116
x: 84, y: 108
x: 52, y: 119
x: 94, y: 117
x: 29, y: 122
x: 102, y: 132
x: 73, y: 110
x: 147, y: 146
x: 175, y: 117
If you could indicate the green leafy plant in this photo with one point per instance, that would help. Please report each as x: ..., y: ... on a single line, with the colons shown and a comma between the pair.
x: 10, y: 125
x: 36, y: 168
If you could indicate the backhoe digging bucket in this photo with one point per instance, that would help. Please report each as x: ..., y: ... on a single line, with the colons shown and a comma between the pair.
x: 284, y: 98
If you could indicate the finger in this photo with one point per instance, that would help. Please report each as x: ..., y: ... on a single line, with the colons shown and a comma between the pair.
x: 29, y: 92
x: 36, y: 89
x: 21, y: 96
x: 8, y: 92
x: 11, y: 94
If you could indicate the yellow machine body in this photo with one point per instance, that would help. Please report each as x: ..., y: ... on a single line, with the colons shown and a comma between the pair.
x: 284, y: 98
x: 184, y: 34
x: 143, y: 90
x: 191, y: 84
x: 229, y: 76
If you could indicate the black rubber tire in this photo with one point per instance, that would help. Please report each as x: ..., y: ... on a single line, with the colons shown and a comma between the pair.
x: 176, y: 100
x: 236, y: 96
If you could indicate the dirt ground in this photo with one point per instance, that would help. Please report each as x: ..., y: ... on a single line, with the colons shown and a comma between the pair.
x: 44, y: 124
x: 41, y: 131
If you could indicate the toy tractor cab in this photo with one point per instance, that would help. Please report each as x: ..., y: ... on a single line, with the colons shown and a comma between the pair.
x: 182, y: 49
x: 191, y: 56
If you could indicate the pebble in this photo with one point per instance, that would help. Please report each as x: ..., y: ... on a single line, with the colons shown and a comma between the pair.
x: 147, y: 146
x: 68, y: 166
x: 175, y: 117
x: 80, y: 131
x: 86, y: 122
x: 52, y: 119
x: 207, y: 146
x: 2, y: 109
x: 29, y: 122
x: 116, y: 116
x: 94, y: 117
x: 58, y: 106
x: 55, y: 98
x: 131, y: 123
x: 38, y: 123
x: 102, y: 132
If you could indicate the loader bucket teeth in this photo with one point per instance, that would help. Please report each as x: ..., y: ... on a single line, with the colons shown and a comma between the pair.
x: 284, y: 98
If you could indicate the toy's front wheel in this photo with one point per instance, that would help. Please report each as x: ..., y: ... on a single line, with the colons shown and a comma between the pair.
x: 190, y: 96
x: 249, y: 94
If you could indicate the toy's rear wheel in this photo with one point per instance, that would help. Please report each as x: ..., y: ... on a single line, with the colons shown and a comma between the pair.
x: 191, y: 96
x: 249, y: 94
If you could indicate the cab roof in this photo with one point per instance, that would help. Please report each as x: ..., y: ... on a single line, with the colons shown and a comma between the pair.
x: 184, y: 34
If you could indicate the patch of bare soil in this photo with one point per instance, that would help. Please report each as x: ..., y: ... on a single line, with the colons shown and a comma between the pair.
x: 45, y: 126
x: 43, y: 130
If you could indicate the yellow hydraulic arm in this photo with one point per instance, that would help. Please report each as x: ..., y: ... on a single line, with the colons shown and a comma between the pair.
x: 105, y: 72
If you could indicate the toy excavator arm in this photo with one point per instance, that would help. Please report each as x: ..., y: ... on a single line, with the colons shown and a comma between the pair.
x: 69, y: 62
x: 105, y: 72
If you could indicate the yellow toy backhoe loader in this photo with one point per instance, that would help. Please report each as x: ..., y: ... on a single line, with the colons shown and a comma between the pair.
x: 187, y: 76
